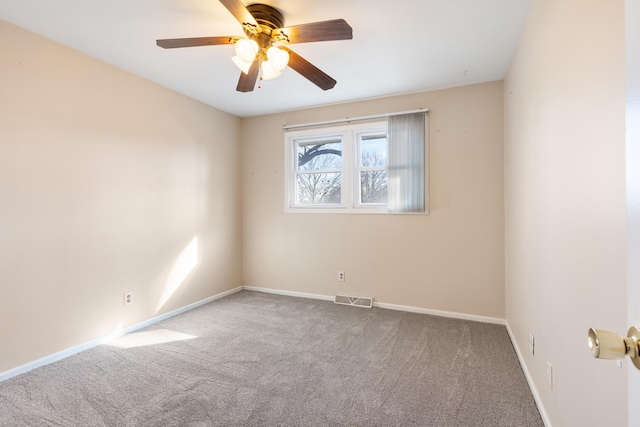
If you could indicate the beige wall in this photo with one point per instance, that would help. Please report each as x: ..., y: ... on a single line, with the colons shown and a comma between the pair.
x: 565, y: 203
x: 105, y: 178
x: 452, y: 259
x: 632, y: 50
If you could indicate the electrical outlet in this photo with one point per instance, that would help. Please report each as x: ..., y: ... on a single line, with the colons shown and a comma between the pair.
x: 550, y: 375
x: 532, y: 344
x: 340, y: 276
x: 128, y: 298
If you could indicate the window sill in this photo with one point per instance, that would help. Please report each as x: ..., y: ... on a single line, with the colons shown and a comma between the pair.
x: 348, y: 211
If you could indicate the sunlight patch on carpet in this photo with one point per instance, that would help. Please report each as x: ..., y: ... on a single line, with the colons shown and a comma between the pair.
x: 143, y: 339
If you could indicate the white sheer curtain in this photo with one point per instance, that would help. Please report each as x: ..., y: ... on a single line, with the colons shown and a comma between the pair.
x: 406, y: 135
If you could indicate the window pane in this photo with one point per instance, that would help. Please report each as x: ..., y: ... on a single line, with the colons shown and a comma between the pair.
x: 318, y: 188
x: 321, y: 156
x: 373, y: 186
x: 373, y: 151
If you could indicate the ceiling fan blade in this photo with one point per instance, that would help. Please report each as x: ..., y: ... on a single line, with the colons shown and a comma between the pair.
x: 309, y: 71
x: 336, y: 29
x: 248, y: 81
x: 196, y: 41
x: 240, y: 12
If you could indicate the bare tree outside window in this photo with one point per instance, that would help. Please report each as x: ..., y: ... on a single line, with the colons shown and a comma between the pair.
x: 319, y: 177
x: 373, y: 169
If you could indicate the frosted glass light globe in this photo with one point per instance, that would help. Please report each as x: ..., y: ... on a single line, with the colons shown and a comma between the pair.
x: 279, y: 58
x: 246, y: 50
x: 268, y: 72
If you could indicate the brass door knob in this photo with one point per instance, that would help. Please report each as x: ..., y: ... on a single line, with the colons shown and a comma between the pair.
x: 609, y: 345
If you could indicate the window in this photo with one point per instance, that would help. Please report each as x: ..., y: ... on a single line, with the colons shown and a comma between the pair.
x: 373, y: 183
x: 318, y: 175
x: 356, y: 168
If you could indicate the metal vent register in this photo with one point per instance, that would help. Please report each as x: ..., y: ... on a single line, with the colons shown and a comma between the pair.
x: 366, y: 302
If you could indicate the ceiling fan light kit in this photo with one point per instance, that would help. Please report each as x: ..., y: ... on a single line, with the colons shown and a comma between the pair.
x: 273, y: 61
x: 262, y: 53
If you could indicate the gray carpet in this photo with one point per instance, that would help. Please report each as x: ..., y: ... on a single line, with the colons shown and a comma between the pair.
x: 266, y: 360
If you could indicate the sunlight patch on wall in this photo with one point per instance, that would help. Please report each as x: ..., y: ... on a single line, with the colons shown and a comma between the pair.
x: 147, y: 338
x: 115, y: 332
x: 183, y: 267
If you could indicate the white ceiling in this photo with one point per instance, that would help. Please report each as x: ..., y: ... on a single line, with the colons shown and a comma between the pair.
x: 398, y: 46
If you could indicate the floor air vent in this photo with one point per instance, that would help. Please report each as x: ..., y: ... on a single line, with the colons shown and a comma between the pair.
x: 366, y: 302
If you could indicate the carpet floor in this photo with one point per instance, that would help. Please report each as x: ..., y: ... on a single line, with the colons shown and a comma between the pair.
x: 255, y: 359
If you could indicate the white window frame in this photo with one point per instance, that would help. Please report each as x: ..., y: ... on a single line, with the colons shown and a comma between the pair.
x: 357, y: 199
x: 350, y: 171
x: 312, y: 140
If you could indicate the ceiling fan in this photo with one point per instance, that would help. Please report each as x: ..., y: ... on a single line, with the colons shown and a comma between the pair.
x: 262, y: 52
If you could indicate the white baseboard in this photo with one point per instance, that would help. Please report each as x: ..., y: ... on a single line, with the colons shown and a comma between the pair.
x: 288, y: 293
x: 527, y: 374
x: 98, y: 341
x: 388, y: 306
x: 441, y: 313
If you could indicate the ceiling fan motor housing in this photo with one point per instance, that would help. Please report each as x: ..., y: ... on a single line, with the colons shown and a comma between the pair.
x: 268, y: 18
